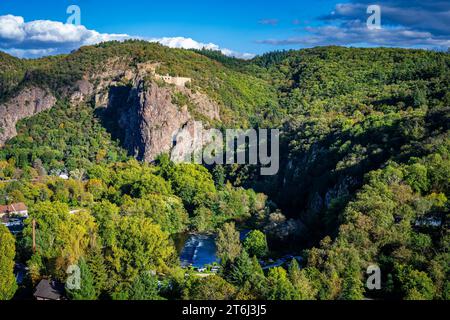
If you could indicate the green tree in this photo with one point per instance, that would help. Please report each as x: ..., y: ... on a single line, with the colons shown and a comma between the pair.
x: 97, y: 266
x: 416, y: 177
x: 278, y: 285
x: 61, y: 238
x: 304, y: 288
x: 145, y: 287
x: 415, y: 285
x: 256, y: 244
x: 167, y: 211
x: 138, y: 245
x: 352, y: 288
x: 192, y: 183
x: 106, y: 215
x: 419, y: 96
x: 247, y: 273
x: 219, y: 176
x: 8, y: 285
x: 96, y: 187
x: 228, y: 243
x: 149, y: 183
x: 87, y: 290
x: 242, y: 269
x: 210, y: 288
x: 202, y: 219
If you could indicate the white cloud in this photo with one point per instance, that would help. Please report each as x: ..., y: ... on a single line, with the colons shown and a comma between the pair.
x: 10, y: 28
x: 43, y: 37
x: 240, y: 55
x: 188, y: 43
x: 185, y: 43
x: 39, y: 34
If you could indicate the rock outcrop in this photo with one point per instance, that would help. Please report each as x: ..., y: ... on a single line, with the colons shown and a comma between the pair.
x: 151, y: 123
x: 28, y: 102
x: 145, y: 111
x: 150, y: 120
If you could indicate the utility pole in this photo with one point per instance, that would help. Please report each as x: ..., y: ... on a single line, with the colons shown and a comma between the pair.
x: 34, y: 235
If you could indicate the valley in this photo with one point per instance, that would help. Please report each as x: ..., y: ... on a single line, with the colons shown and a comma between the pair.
x: 364, y: 160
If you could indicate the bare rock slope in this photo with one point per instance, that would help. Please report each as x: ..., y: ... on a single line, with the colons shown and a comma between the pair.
x: 26, y: 103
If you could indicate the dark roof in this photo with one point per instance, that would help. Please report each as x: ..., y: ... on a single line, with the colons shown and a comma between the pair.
x: 48, y: 289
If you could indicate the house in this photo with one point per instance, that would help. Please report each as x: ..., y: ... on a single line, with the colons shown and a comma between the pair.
x: 49, y: 290
x: 64, y: 176
x: 14, y: 209
x: 215, y: 269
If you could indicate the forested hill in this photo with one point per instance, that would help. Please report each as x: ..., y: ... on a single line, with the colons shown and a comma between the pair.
x: 349, y: 111
x: 240, y: 93
x: 366, y: 162
x: 364, y: 176
x: 110, y: 74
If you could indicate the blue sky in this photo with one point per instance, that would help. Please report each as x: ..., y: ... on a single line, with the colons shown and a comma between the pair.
x: 236, y: 27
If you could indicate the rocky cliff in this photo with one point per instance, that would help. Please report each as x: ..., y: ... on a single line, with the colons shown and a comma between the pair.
x: 142, y: 110
x: 26, y: 103
x: 150, y: 120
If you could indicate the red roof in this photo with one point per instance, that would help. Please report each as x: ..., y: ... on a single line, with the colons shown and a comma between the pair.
x: 13, y: 207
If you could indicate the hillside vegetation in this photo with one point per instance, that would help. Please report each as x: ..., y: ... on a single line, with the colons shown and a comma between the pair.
x: 364, y: 175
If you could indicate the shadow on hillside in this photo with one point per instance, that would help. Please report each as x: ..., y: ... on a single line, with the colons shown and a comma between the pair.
x: 114, y: 117
x: 305, y: 178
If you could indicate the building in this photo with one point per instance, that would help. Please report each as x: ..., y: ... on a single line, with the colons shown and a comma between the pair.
x: 13, y: 215
x: 178, y: 81
x: 14, y: 209
x: 64, y: 176
x: 49, y: 290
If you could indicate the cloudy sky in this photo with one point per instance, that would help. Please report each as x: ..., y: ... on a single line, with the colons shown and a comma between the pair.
x: 33, y: 28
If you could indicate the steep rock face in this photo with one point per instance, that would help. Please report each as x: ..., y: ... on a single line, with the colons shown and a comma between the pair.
x: 204, y: 105
x: 95, y: 85
x: 32, y: 100
x: 84, y: 89
x: 150, y: 121
x: 189, y: 140
x: 26, y: 103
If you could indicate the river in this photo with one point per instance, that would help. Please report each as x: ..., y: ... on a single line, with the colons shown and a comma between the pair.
x: 198, y: 250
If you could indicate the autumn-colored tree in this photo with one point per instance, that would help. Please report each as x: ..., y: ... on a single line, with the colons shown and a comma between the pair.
x: 138, y: 245
x: 210, y: 288
x: 8, y: 285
